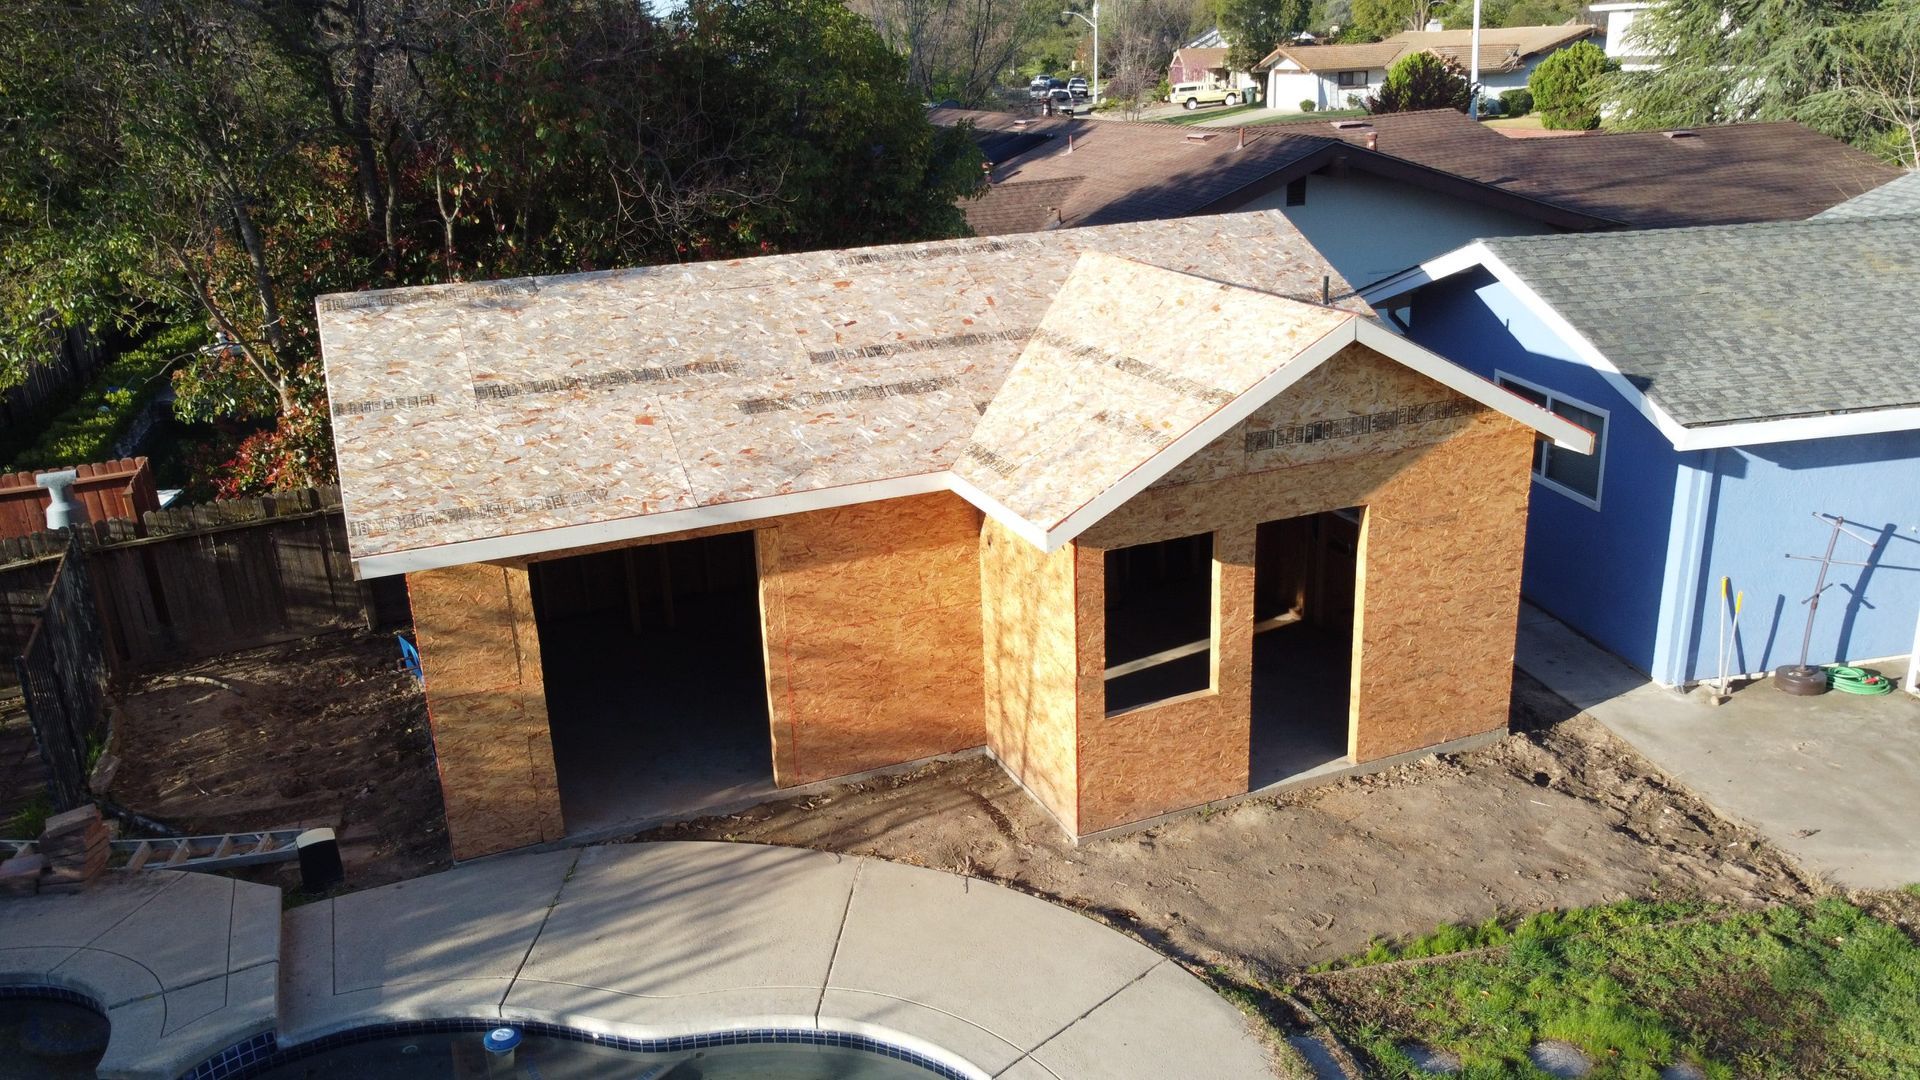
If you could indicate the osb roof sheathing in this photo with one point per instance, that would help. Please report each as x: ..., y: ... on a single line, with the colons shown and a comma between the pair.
x: 1116, y: 374
x: 1044, y: 378
x: 468, y: 413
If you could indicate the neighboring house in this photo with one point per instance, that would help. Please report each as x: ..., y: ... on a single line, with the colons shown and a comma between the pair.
x: 1340, y: 76
x: 1742, y: 379
x: 1207, y: 65
x: 1382, y: 193
x: 675, y: 536
x: 1619, y: 42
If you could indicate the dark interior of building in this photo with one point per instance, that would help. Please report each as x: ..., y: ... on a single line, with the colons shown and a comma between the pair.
x: 1305, y: 572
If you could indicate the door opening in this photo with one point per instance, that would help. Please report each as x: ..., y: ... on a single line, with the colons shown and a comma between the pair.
x: 655, y: 679
x: 1304, y: 582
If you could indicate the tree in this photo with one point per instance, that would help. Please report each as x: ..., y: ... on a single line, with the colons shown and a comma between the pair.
x: 1376, y: 19
x: 1254, y: 27
x: 1421, y: 80
x: 1566, y: 87
x: 1845, y: 67
x: 226, y: 161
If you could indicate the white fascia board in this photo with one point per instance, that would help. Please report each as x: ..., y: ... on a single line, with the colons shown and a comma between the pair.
x: 519, y: 545
x: 1797, y: 428
x: 1214, y: 426
x: 998, y: 511
x: 1562, y: 431
x: 1426, y: 273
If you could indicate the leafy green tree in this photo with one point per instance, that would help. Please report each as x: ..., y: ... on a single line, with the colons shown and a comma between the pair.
x: 226, y: 161
x: 1253, y: 27
x: 1566, y: 87
x: 1850, y: 68
x: 1421, y: 80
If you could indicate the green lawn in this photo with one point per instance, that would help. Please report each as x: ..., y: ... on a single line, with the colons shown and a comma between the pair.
x: 1310, y: 118
x: 1788, y: 992
x: 1258, y: 116
x: 1209, y: 112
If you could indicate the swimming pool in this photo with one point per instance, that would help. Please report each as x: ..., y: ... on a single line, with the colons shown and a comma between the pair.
x: 459, y: 1050
x: 49, y: 1034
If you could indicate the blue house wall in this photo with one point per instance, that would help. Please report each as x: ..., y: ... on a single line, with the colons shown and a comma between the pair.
x: 1641, y: 575
x: 1763, y: 506
x: 1601, y: 571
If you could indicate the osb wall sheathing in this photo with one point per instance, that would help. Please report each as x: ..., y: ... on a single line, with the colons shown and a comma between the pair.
x: 1445, y: 484
x: 1160, y: 758
x: 1027, y: 621
x: 487, y: 705
x: 871, y: 616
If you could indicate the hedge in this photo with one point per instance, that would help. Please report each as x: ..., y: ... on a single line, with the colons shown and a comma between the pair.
x: 87, y: 430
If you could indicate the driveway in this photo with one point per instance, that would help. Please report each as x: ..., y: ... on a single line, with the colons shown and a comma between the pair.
x: 1830, y: 780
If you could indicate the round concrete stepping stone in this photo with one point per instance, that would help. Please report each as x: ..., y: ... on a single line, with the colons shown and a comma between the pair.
x: 1560, y: 1059
x: 1431, y: 1061
x: 1683, y: 1070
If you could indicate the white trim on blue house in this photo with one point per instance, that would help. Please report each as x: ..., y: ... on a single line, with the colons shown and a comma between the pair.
x: 1706, y: 437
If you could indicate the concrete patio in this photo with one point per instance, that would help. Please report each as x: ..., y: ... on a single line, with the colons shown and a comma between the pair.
x: 656, y: 940
x: 181, y: 964
x: 1830, y: 779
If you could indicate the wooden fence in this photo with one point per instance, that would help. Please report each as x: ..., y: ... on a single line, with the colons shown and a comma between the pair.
x: 62, y: 672
x: 105, y: 490
x: 207, y: 579
x: 73, y: 358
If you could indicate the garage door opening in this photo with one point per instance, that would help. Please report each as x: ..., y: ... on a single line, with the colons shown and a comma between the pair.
x: 1304, y: 578
x: 1159, y: 621
x: 656, y: 680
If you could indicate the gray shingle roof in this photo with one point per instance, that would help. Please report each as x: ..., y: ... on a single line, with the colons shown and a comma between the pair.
x: 1900, y: 196
x: 1743, y: 323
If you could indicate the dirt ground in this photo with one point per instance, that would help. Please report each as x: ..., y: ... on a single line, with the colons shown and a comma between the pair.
x: 328, y: 731
x: 1558, y: 814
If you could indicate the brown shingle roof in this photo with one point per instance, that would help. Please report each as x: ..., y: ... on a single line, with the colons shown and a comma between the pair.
x: 1501, y: 48
x: 1138, y: 171
x: 1116, y: 171
x: 1721, y: 175
x: 1201, y: 58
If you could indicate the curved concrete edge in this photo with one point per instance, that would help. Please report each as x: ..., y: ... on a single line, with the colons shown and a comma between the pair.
x: 658, y: 940
x: 182, y: 965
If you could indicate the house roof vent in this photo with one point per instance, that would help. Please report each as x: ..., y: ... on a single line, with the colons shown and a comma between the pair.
x: 1351, y: 125
x: 1681, y: 133
x: 1199, y: 136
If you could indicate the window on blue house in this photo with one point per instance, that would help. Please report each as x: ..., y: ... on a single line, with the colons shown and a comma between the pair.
x: 1574, y: 475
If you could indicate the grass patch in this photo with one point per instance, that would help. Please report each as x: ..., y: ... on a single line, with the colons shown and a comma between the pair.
x: 28, y: 822
x: 1787, y: 992
x: 1205, y: 113
x: 1321, y: 117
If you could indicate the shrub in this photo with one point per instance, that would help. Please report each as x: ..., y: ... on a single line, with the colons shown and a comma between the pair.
x: 1517, y: 102
x: 1565, y: 87
x: 1307, y: 105
x: 107, y: 407
x: 1422, y: 80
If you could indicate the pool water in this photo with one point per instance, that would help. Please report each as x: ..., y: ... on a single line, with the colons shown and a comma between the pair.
x: 42, y: 1038
x: 460, y: 1056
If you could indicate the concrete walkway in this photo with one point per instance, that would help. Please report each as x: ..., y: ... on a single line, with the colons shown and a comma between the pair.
x: 655, y: 940
x: 1829, y: 779
x: 182, y: 964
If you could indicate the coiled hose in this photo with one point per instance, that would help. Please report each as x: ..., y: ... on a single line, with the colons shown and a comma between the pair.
x: 1853, y: 680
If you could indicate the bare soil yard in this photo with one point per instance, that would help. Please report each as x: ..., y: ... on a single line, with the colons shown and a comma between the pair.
x: 327, y: 731
x: 1559, y: 814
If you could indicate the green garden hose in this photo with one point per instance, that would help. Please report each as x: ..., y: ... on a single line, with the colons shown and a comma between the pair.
x: 1853, y: 680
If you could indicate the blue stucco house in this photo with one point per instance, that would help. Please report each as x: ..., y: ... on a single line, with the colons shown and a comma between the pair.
x: 1741, y: 380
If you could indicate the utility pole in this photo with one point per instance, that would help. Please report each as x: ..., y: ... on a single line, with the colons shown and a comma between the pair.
x: 1093, y: 85
x: 1473, y: 74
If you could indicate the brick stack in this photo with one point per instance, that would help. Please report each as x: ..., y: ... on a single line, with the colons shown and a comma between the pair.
x: 20, y: 875
x: 75, y: 847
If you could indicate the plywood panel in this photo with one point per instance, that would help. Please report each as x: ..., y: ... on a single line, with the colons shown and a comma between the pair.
x: 1028, y: 624
x: 486, y: 702
x: 872, y: 624
x: 1160, y: 758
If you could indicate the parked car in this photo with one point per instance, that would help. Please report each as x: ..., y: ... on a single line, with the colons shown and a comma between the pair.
x: 1041, y: 86
x: 1194, y: 95
x: 1061, y: 100
x: 1077, y: 86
